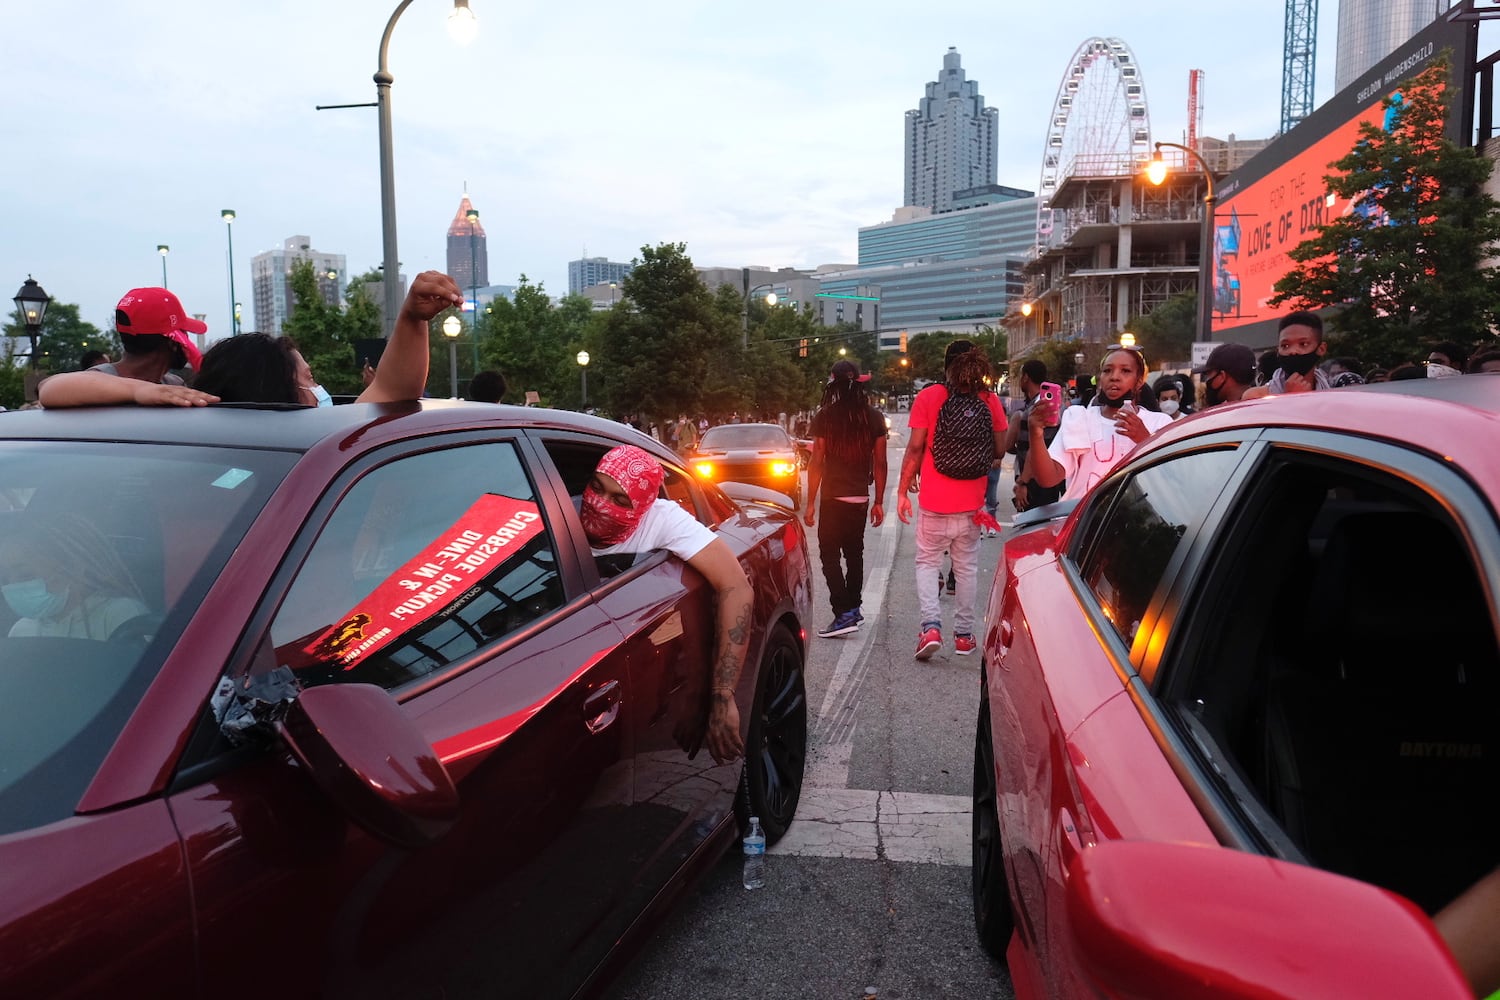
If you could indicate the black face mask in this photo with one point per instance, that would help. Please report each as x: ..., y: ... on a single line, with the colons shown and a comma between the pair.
x: 1211, y: 395
x: 1297, y: 364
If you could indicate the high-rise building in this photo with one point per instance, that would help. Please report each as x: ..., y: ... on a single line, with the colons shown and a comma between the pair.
x: 952, y: 140
x: 468, y: 258
x: 1370, y: 30
x: 588, y: 271
x: 270, y: 279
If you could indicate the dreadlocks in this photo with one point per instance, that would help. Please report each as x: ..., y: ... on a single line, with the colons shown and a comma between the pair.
x: 969, y: 371
x: 848, y: 419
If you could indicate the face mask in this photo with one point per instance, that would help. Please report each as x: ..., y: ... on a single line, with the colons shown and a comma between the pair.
x: 1435, y: 370
x: 321, y: 395
x: 606, y: 522
x: 1211, y: 395
x: 1297, y: 364
x: 1169, y: 407
x: 32, y: 599
x: 639, y: 475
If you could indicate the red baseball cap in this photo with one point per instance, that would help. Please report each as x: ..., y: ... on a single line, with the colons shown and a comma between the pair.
x: 158, y: 311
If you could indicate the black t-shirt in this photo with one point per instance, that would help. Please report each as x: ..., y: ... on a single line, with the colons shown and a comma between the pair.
x: 1023, y: 436
x: 842, y: 478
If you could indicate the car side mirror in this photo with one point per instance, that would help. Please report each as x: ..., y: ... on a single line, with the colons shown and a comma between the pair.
x: 1189, y: 922
x: 372, y: 761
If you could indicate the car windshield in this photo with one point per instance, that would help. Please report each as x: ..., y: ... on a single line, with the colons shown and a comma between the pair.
x: 105, y: 551
x: 744, y: 436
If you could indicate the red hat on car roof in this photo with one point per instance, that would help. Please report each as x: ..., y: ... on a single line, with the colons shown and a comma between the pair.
x: 158, y: 311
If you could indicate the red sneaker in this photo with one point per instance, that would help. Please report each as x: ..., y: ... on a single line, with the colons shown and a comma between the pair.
x: 963, y: 645
x: 929, y: 641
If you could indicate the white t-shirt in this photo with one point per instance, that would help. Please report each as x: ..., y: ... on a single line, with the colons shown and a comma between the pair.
x: 665, y: 526
x: 1087, y: 446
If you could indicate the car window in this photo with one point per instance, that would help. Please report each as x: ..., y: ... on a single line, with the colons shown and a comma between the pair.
x: 425, y: 560
x: 1336, y: 662
x: 105, y: 550
x: 1142, y: 530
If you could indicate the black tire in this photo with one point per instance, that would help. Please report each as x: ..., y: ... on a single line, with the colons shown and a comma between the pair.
x: 994, y: 920
x: 776, y: 749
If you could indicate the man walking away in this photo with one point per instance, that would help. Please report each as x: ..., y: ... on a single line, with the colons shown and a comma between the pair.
x: 1028, y: 493
x: 848, y: 453
x: 957, y: 428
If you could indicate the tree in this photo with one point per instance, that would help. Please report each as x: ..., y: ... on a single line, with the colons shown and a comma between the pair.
x: 325, y: 333
x: 1059, y: 357
x: 1407, y: 263
x: 1166, y: 333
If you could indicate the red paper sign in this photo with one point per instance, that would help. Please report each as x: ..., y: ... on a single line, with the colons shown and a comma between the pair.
x: 489, y: 533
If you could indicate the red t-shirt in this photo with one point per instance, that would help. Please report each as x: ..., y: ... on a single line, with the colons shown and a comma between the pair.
x: 940, y: 494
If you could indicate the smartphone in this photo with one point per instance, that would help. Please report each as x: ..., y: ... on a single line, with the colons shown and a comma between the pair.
x: 1051, y: 397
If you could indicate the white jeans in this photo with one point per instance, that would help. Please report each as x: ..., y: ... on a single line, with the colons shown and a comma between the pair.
x: 959, y: 536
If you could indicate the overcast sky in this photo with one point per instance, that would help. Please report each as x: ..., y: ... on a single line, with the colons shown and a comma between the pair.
x: 757, y: 134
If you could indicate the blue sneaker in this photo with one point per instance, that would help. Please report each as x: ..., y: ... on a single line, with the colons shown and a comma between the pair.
x: 858, y: 616
x: 841, y: 625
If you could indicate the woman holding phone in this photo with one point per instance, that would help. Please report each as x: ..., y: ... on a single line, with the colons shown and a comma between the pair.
x: 1092, y: 439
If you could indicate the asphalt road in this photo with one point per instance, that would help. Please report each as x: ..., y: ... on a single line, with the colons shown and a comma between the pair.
x: 868, y: 893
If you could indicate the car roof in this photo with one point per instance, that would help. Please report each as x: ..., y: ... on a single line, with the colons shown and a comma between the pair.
x: 295, y: 428
x: 1455, y: 418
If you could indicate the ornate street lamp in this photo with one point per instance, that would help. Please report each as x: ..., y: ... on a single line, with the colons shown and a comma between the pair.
x: 452, y: 327
x: 32, y: 302
x: 583, y: 373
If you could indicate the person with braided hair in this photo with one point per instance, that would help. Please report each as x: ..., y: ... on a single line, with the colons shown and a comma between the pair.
x: 848, y: 454
x: 957, y: 430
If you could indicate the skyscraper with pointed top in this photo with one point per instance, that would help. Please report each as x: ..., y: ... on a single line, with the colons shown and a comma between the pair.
x: 468, y: 258
x: 952, y: 140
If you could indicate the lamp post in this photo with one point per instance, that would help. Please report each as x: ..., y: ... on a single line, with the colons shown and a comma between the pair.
x: 612, y: 287
x: 452, y: 327
x: 1156, y: 172
x: 32, y: 302
x: 234, y: 307
x: 163, y: 249
x: 461, y: 25
x: 583, y: 374
x: 749, y: 294
x: 906, y: 373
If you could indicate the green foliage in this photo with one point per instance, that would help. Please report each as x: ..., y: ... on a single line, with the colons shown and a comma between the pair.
x: 1408, y: 265
x: 1166, y: 334
x: 1059, y: 357
x: 326, y: 333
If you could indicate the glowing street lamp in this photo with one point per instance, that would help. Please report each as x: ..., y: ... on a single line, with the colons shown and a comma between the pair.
x: 583, y: 374
x: 452, y: 327
x: 234, y: 307
x: 1156, y: 172
x: 163, y: 249
x: 32, y: 302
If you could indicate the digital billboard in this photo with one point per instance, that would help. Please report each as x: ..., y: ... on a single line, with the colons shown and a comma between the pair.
x: 1279, y: 198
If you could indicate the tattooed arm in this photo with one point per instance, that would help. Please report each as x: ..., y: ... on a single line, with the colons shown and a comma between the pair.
x: 735, y: 603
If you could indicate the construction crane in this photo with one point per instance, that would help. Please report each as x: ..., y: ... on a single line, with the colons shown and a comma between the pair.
x: 1195, y: 107
x: 1299, y: 54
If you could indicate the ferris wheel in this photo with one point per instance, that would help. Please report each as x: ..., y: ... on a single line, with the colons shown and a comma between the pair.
x: 1099, y: 121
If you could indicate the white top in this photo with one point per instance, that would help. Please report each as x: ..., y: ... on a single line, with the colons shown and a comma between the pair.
x: 1087, y: 446
x: 665, y: 526
x: 94, y: 618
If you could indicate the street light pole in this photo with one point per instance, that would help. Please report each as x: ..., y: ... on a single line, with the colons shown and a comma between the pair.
x: 461, y: 24
x: 473, y: 217
x: 163, y: 249
x: 31, y: 302
x: 234, y: 311
x: 452, y: 327
x: 750, y: 294
x: 583, y: 374
x: 1156, y: 172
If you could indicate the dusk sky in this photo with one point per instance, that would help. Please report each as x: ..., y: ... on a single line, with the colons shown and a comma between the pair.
x: 764, y: 135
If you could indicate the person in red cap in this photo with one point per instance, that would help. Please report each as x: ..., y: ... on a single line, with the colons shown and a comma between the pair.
x: 154, y: 328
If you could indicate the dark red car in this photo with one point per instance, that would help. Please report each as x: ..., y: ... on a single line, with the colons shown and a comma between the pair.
x: 1235, y: 733
x: 376, y: 721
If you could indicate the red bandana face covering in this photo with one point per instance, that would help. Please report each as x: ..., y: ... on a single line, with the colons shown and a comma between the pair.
x: 640, y: 476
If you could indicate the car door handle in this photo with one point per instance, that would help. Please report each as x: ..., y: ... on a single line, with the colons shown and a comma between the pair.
x: 602, y: 706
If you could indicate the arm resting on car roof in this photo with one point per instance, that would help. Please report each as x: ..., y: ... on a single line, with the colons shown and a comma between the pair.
x: 90, y: 388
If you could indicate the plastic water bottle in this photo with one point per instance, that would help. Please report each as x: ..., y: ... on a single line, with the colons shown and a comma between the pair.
x: 755, y: 855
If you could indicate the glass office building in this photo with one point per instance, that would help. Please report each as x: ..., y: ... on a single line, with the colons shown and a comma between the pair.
x: 1370, y: 30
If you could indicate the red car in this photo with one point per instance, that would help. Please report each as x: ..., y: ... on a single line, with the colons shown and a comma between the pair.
x: 349, y: 707
x: 1234, y: 734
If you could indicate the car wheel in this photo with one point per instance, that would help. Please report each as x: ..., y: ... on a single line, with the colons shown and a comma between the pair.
x: 776, y: 750
x: 993, y: 917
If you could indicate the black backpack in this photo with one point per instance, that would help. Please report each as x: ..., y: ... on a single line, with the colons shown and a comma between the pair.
x: 963, y: 442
